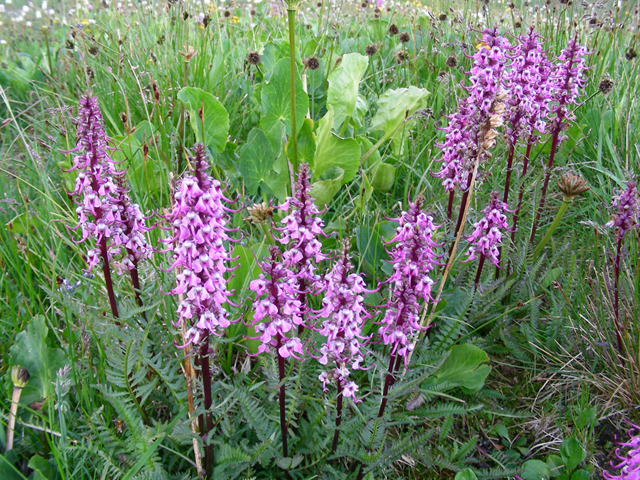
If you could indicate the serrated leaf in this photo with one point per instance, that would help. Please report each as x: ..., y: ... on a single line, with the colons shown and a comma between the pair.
x: 344, y: 83
x: 207, y: 116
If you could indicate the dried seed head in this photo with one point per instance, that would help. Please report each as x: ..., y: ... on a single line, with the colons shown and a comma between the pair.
x: 93, y: 50
x: 630, y: 54
x: 253, y: 58
x: 605, y: 86
x: 393, y: 29
x: 401, y: 56
x: 227, y: 14
x: 517, y: 25
x: 571, y: 186
x: 260, y: 213
x: 185, y: 15
x: 371, y: 49
x: 205, y: 21
x: 404, y: 37
x: 452, y: 62
x: 312, y: 63
x: 189, y: 52
x: 442, y: 17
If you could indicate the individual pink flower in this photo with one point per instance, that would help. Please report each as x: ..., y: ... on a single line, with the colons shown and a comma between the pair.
x: 486, y: 238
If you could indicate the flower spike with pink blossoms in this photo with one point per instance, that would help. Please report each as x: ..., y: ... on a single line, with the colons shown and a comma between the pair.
x: 487, y: 233
x: 630, y: 463
x: 199, y: 219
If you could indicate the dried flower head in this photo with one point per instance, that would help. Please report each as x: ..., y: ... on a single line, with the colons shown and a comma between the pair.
x: 452, y: 61
x: 404, y: 37
x: 312, y: 63
x: 442, y: 17
x: 571, y: 186
x: 260, y: 213
x: 371, y: 49
x: 253, y: 58
x: 606, y: 86
x: 393, y: 29
x: 630, y: 54
x: 402, y: 56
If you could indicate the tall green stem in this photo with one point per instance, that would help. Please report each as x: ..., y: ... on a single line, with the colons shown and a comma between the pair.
x: 552, y: 228
x: 292, y: 67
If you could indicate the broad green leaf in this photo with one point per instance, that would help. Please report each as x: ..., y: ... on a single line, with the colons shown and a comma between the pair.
x: 333, y: 151
x: 395, y: 106
x: 556, y: 465
x: 8, y: 470
x: 464, y: 367
x: 306, y: 143
x: 366, y: 190
x: 572, y: 453
x: 42, y: 469
x: 148, y: 174
x: 207, y: 116
x: 245, y: 267
x: 467, y: 474
x: 323, y: 191
x: 276, y: 99
x: 344, y: 83
x: 370, y: 245
x: 384, y: 177
x: 256, y: 159
x: 535, y: 470
x: 30, y: 351
x: 580, y: 475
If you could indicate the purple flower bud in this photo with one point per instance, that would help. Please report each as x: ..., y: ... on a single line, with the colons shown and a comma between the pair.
x: 487, y: 233
x: 345, y: 314
x: 277, y: 310
x: 631, y: 461
x: 199, y: 219
x: 413, y: 257
x: 627, y: 210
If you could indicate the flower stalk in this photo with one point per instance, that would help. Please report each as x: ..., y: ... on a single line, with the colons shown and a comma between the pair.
x: 291, y: 12
x: 19, y: 378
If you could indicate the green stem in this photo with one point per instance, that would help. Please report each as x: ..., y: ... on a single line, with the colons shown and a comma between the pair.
x: 552, y: 228
x: 292, y: 67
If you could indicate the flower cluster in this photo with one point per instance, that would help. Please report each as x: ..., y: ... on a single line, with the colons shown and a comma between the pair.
x: 344, y: 311
x: 277, y: 310
x: 200, y: 239
x: 627, y: 208
x: 567, y: 78
x: 487, y: 233
x: 128, y: 238
x: 631, y: 461
x: 464, y: 132
x: 413, y: 257
x: 527, y: 80
x: 300, y: 232
x: 94, y: 188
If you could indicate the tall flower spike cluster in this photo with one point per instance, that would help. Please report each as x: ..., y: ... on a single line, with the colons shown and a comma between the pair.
x: 487, y: 233
x: 302, y: 227
x: 413, y: 258
x: 277, y: 309
x: 199, y: 219
x: 463, y: 134
x: 630, y: 463
x: 345, y: 314
x: 627, y: 210
x: 94, y: 188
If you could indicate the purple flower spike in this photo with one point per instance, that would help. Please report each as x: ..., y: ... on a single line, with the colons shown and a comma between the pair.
x: 302, y: 227
x: 277, y: 310
x: 128, y: 238
x: 413, y: 258
x: 463, y: 134
x: 627, y: 211
x: 94, y: 187
x: 487, y: 233
x: 199, y: 220
x: 568, y: 78
x: 529, y: 88
x: 631, y: 461
x: 345, y: 314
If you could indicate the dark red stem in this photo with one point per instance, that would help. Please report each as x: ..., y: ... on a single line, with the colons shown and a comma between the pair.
x: 107, y: 278
x: 206, y: 385
x: 479, y: 273
x: 545, y: 184
x: 616, y: 293
x: 336, y: 434
x: 281, y: 399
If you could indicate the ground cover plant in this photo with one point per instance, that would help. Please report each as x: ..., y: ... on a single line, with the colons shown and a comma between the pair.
x: 319, y: 240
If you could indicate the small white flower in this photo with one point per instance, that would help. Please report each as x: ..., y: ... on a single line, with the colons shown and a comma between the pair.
x: 27, y: 24
x: 38, y: 14
x: 44, y: 5
x: 8, y: 2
